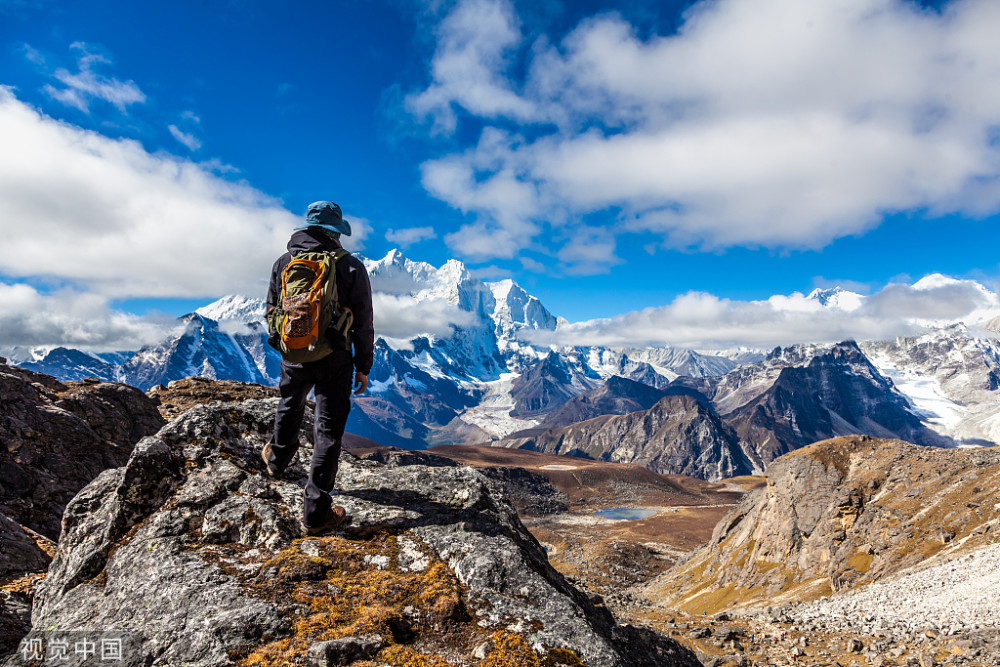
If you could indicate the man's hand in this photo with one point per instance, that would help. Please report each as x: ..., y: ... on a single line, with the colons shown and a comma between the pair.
x: 360, y: 383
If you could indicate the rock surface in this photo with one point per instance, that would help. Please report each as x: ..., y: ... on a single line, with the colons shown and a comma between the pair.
x: 178, y: 396
x: 953, y: 601
x: 198, y: 555
x: 20, y: 551
x: 15, y: 619
x: 58, y: 436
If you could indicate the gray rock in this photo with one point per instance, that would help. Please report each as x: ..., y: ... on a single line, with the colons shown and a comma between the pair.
x: 727, y: 632
x: 15, y: 620
x: 346, y: 650
x: 19, y: 550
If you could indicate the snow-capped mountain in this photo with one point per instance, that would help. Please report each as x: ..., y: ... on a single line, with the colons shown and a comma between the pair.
x: 201, y: 346
x: 455, y: 364
x: 950, y: 377
x: 234, y: 308
x: 837, y: 298
x: 985, y: 306
x: 69, y: 364
x: 737, y: 423
x: 515, y: 310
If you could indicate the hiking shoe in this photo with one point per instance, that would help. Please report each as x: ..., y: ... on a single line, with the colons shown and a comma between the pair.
x: 337, y: 517
x: 264, y: 454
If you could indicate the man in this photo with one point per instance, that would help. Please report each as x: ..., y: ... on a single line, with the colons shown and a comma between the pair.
x: 329, y: 377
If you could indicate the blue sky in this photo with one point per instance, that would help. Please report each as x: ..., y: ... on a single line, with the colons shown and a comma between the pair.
x: 609, y: 157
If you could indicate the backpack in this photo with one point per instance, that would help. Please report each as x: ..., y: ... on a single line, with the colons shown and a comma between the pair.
x: 308, y: 308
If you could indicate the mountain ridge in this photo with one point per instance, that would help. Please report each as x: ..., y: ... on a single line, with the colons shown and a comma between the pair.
x: 475, y: 376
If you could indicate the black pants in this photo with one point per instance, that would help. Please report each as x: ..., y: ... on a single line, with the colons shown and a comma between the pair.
x: 331, y: 378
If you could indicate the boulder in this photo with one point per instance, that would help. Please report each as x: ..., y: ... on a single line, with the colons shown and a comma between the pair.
x: 345, y: 650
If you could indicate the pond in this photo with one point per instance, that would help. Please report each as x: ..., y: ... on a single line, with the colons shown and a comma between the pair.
x: 625, y: 513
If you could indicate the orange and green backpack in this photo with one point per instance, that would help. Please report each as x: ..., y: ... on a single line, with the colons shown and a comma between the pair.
x: 308, y: 308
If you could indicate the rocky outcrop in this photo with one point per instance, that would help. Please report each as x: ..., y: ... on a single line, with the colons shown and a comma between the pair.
x: 178, y: 396
x: 530, y: 493
x: 196, y: 555
x: 54, y: 439
x: 23, y: 554
x: 15, y: 619
x: 58, y: 436
x: 837, y: 515
x: 680, y: 435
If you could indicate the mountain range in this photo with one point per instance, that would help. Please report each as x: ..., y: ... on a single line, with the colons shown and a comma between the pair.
x: 475, y: 376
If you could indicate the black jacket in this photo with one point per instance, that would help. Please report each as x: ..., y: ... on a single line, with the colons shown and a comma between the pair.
x: 353, y: 288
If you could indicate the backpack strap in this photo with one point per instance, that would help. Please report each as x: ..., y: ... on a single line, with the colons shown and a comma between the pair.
x: 342, y: 320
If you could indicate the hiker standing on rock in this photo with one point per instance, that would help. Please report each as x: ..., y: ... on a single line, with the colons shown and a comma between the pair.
x: 319, y: 315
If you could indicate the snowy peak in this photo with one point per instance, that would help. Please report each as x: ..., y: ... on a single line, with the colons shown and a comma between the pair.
x: 234, y: 307
x: 71, y: 364
x: 979, y: 301
x: 395, y: 274
x: 515, y: 309
x: 503, y: 307
x: 201, y: 347
x: 837, y: 298
x: 934, y: 281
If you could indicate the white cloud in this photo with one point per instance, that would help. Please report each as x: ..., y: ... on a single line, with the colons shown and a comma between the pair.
x: 361, y: 229
x: 705, y: 321
x: 410, y: 236
x: 192, y: 142
x: 121, y: 222
x: 776, y: 123
x: 402, y: 316
x: 87, y: 85
x: 71, y: 319
x: 590, y: 251
x: 470, y: 65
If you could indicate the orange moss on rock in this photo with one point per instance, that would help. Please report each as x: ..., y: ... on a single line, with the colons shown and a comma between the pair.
x: 334, y: 587
x: 345, y: 587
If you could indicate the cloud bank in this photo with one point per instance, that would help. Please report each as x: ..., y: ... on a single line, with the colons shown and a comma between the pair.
x: 400, y: 316
x: 71, y: 319
x: 776, y: 123
x: 704, y: 321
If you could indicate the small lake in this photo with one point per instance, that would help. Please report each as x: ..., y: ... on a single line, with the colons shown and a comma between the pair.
x: 625, y: 513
